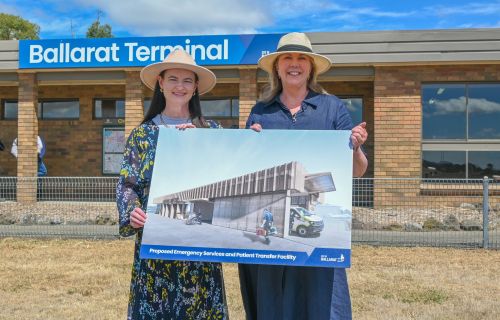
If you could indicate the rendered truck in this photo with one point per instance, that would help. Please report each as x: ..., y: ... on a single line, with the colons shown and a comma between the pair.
x: 304, y: 222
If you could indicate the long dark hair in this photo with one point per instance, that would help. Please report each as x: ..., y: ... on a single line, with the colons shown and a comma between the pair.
x: 158, y: 103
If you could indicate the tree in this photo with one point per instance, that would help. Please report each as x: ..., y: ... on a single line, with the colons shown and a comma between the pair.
x: 16, y: 28
x: 96, y: 30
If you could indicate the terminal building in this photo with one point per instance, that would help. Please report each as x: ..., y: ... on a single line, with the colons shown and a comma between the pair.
x: 238, y: 202
x: 431, y: 98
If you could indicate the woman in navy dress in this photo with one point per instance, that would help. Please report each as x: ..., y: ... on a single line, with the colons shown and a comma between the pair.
x: 295, y: 101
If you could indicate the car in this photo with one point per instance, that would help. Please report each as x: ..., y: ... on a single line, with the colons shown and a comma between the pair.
x: 304, y: 222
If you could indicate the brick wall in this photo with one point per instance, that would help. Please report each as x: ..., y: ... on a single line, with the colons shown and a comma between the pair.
x: 223, y: 90
x: 8, y: 132
x: 27, y: 125
x: 398, y: 112
x: 392, y: 110
x: 134, y: 110
x: 398, y: 121
x: 74, y: 147
x: 248, y: 93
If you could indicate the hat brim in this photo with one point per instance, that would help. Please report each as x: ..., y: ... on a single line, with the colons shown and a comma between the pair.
x: 206, y: 78
x: 321, y: 62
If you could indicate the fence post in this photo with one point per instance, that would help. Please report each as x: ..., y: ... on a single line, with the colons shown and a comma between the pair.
x: 485, y: 212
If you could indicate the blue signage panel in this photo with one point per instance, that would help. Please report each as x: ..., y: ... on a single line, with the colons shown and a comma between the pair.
x: 138, y: 52
x: 320, y: 257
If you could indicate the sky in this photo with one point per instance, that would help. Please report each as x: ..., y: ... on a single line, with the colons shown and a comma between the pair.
x: 131, y: 18
x: 198, y: 157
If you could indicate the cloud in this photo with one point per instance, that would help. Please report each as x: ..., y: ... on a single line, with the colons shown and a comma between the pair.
x: 475, y: 8
x: 147, y: 17
x: 444, y: 107
x: 323, y: 13
x: 5, y: 8
x: 483, y: 106
x: 480, y: 25
x: 375, y: 13
x: 458, y: 105
x: 166, y: 17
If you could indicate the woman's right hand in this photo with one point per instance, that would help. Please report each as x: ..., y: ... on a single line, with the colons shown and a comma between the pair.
x: 256, y: 127
x: 137, y: 218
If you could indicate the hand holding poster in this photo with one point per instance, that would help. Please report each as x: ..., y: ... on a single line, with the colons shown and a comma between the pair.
x: 247, y: 197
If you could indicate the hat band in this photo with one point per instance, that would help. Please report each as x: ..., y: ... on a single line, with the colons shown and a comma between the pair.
x: 294, y: 47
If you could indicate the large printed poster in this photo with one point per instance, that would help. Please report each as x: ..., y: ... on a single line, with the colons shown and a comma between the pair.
x: 274, y: 197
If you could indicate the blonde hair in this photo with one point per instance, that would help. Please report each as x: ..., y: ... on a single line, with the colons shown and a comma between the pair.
x: 274, y: 85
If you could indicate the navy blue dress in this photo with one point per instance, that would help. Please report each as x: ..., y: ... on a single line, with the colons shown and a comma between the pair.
x: 288, y: 292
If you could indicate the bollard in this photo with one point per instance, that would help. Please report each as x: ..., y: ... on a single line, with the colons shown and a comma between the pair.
x: 486, y: 208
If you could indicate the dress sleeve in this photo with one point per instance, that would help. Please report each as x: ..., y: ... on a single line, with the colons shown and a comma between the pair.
x: 343, y: 120
x: 127, y: 197
x: 250, y: 121
x: 254, y: 116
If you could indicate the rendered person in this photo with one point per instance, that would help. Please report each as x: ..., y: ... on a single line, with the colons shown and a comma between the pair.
x: 267, y: 221
x: 163, y: 289
x: 295, y: 101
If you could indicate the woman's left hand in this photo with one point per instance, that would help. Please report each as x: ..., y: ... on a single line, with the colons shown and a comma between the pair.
x: 359, y: 135
x: 185, y: 126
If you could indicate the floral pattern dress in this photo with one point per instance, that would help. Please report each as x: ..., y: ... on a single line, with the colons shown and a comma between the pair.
x: 162, y: 289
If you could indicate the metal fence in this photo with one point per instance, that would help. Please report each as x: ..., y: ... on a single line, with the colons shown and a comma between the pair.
x: 72, y: 207
x: 430, y: 212
x: 400, y: 212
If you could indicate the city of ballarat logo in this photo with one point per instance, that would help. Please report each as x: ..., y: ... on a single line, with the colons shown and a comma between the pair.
x: 325, y: 258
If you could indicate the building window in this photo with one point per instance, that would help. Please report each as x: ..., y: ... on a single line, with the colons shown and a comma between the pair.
x: 460, y: 131
x: 56, y: 109
x: 221, y: 108
x: 59, y: 109
x: 355, y: 108
x: 225, y: 111
x: 9, y: 110
x: 444, y: 164
x: 483, y: 164
x: 483, y: 111
x: 109, y: 108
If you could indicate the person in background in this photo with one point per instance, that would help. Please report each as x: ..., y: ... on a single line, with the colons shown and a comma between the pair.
x: 295, y: 101
x: 42, y: 169
x: 163, y: 289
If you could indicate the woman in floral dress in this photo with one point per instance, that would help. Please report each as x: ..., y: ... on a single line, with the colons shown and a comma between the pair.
x: 162, y: 289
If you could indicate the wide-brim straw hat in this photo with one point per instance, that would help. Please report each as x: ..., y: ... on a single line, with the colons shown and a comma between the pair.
x: 179, y: 59
x: 295, y: 42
